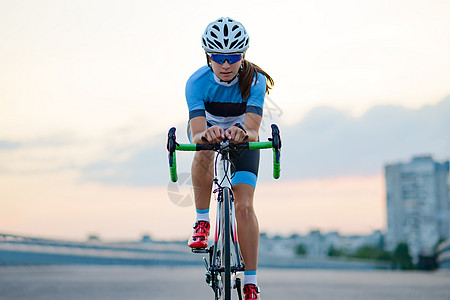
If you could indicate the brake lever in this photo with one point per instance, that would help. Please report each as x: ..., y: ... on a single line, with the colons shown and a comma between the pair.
x: 172, y: 140
x: 276, y: 140
x: 171, y: 144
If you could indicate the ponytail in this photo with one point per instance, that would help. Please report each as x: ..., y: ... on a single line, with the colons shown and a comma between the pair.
x: 246, y: 77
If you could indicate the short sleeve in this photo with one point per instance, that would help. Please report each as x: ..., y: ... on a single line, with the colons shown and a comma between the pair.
x: 195, y: 99
x: 255, y: 102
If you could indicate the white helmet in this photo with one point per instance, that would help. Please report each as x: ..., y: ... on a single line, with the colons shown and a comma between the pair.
x: 225, y: 35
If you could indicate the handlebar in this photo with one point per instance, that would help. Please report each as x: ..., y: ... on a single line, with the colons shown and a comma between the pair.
x: 274, y: 143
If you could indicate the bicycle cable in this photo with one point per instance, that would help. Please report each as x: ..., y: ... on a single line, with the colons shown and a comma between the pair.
x: 231, y: 164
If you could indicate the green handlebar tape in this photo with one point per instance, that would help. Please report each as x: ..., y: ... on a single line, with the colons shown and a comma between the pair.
x: 173, y: 169
x: 186, y: 147
x: 276, y: 166
x: 276, y: 170
x: 259, y: 145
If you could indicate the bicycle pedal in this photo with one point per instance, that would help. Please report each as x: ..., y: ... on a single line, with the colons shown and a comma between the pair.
x: 200, y: 250
x: 208, y: 279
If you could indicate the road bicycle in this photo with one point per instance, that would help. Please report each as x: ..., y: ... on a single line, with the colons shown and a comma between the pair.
x: 224, y: 260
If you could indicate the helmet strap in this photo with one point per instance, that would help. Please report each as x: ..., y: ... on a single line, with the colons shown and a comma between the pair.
x: 241, y: 68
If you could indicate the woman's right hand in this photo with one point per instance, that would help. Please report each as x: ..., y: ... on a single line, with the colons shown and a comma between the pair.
x: 214, y: 134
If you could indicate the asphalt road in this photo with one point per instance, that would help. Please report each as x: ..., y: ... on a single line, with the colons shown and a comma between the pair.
x: 187, y: 283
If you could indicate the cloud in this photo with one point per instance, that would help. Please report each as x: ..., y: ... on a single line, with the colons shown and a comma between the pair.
x: 47, y: 153
x: 329, y: 142
x: 9, y: 145
x: 144, y: 168
x: 326, y: 143
x: 143, y: 164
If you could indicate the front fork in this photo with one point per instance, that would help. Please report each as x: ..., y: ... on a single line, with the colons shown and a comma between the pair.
x: 212, y: 275
x: 212, y: 278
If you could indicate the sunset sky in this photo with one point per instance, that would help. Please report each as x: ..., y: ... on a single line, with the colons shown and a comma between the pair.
x: 88, y: 90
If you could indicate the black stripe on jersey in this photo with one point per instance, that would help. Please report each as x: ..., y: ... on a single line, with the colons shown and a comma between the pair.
x: 248, y: 109
x: 225, y: 109
x: 197, y: 113
x: 255, y: 110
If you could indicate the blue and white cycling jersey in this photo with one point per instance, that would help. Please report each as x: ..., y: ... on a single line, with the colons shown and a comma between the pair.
x: 221, y: 102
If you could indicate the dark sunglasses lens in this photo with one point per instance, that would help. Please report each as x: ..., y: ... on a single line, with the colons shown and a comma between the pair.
x: 221, y: 58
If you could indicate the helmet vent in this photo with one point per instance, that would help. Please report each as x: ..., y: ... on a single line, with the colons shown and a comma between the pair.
x: 214, y: 35
x: 219, y: 44
x: 238, y: 34
x: 234, y: 28
x: 216, y: 27
x: 225, y: 41
x: 240, y: 44
x: 225, y: 30
x: 210, y: 43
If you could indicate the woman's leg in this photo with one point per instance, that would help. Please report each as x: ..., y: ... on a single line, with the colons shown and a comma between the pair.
x: 202, y: 176
x: 247, y: 224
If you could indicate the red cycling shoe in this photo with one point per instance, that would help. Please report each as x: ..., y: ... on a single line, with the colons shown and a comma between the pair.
x: 251, y: 291
x: 199, y: 238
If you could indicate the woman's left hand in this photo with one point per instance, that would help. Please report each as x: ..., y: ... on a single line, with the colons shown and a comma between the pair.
x: 235, y: 134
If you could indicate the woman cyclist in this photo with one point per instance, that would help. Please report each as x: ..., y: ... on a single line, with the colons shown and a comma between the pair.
x: 225, y: 100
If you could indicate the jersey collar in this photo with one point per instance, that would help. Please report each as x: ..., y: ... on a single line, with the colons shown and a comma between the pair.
x: 226, y: 83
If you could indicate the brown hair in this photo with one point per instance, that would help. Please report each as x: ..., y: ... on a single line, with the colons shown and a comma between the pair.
x: 246, y: 76
x: 247, y: 73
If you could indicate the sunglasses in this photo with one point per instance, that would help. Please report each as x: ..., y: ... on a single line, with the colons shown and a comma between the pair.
x: 221, y: 58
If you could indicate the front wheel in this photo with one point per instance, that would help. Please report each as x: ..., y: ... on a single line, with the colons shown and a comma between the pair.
x: 226, y: 278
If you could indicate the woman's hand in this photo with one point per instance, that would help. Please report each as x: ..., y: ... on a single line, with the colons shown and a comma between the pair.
x: 214, y: 134
x: 235, y: 134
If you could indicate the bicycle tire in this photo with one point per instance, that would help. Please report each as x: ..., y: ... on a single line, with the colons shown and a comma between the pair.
x: 226, y: 244
x: 217, y: 256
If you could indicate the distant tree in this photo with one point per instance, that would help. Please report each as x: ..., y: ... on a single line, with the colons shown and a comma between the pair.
x: 381, y: 243
x: 401, y: 257
x: 365, y: 252
x: 372, y: 253
x: 146, y: 238
x: 384, y: 255
x: 301, y: 250
x: 333, y: 252
x: 93, y: 237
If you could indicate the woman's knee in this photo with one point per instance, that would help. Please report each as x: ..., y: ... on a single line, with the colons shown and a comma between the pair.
x: 244, y: 209
x: 244, y: 201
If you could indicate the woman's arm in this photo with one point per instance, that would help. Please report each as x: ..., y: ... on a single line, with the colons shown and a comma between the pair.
x: 251, y: 125
x: 213, y: 134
